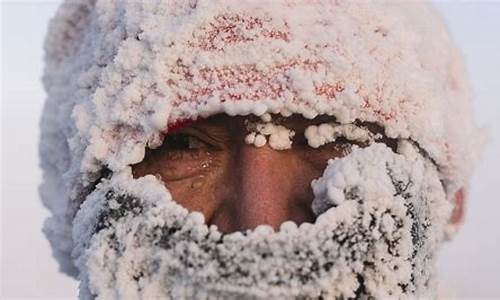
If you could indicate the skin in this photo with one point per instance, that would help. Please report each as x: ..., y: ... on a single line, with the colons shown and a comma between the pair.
x: 208, y: 167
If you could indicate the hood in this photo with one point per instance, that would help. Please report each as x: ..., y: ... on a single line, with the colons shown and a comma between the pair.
x: 120, y: 74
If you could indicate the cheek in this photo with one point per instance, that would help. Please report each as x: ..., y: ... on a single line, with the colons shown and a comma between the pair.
x: 317, y: 159
x: 195, y: 193
x: 190, y: 180
x: 308, y: 169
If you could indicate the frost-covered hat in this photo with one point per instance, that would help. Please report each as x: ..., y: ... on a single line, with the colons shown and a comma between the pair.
x: 119, y: 74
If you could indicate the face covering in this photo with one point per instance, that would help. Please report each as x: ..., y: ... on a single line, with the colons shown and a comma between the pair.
x: 380, y: 218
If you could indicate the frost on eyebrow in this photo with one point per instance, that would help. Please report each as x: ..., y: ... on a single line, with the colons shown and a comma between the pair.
x: 280, y: 138
x: 277, y: 136
x: 380, y: 219
x: 319, y: 135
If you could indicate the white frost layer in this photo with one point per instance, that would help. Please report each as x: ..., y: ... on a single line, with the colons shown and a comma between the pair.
x: 118, y: 73
x: 379, y: 225
x: 319, y: 135
x: 277, y: 136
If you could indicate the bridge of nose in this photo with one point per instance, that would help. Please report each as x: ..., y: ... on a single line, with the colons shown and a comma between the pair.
x: 265, y: 188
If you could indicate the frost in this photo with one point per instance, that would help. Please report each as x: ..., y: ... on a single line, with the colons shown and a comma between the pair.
x: 318, y: 135
x: 118, y: 74
x: 379, y: 241
x: 259, y: 141
x: 266, y: 118
x: 278, y: 136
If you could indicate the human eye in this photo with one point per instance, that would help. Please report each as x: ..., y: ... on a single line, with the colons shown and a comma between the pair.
x: 178, y: 145
x: 183, y: 154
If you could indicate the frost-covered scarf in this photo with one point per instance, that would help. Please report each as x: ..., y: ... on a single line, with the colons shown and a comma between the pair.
x: 380, y: 218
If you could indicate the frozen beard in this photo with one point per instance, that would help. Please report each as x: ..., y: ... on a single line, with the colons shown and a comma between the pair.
x: 380, y: 218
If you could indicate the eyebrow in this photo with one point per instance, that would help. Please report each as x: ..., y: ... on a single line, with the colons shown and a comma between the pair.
x: 301, y: 126
x: 294, y: 122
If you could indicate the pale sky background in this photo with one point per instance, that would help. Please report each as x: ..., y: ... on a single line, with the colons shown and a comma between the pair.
x: 469, y: 265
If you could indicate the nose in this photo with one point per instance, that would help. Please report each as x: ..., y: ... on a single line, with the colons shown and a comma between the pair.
x: 269, y: 189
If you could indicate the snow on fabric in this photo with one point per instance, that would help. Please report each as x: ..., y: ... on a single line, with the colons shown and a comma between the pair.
x: 119, y: 73
x: 381, y: 218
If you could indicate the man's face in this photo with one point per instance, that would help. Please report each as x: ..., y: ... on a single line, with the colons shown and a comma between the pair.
x: 367, y: 211
x: 208, y: 167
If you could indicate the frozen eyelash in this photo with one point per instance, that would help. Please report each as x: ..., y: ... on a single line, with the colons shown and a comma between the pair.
x: 319, y: 135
